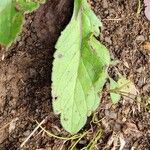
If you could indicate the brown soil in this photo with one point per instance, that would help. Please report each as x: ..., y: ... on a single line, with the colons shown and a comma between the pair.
x: 25, y: 80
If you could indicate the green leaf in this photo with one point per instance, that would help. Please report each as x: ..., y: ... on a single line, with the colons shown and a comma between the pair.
x: 114, y: 96
x: 79, y: 69
x: 12, y: 17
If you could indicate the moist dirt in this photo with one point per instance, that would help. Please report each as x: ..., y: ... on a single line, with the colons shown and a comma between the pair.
x: 25, y: 80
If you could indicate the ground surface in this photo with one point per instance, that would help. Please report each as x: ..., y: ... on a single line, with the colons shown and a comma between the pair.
x: 26, y: 71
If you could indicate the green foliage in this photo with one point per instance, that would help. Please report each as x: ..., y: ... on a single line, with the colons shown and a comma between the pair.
x: 12, y: 16
x: 79, y: 69
x: 115, y: 97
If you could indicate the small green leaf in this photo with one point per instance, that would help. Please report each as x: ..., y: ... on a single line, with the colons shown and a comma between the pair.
x: 12, y: 16
x: 79, y: 69
x: 114, y: 96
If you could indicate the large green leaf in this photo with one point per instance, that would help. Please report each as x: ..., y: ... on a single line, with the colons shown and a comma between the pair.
x: 12, y: 16
x: 79, y: 69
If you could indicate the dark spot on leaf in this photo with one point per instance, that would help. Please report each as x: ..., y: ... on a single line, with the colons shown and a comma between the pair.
x: 60, y: 55
x: 65, y: 119
x: 93, y: 49
x: 55, y: 98
x: 18, y: 7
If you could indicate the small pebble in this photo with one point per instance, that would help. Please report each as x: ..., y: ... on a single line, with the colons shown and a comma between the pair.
x: 32, y: 72
x: 117, y: 127
x: 147, y: 9
x: 111, y: 115
x: 27, y: 133
x: 108, y: 40
x: 140, y: 38
x: 12, y: 125
x: 105, y: 4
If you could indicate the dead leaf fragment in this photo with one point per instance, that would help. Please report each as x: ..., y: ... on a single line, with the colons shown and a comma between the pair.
x: 131, y: 129
x: 122, y: 142
x: 147, y: 46
x: 12, y: 125
x: 127, y: 88
x: 126, y: 64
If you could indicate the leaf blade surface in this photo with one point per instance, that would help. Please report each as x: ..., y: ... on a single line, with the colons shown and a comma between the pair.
x: 79, y: 69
